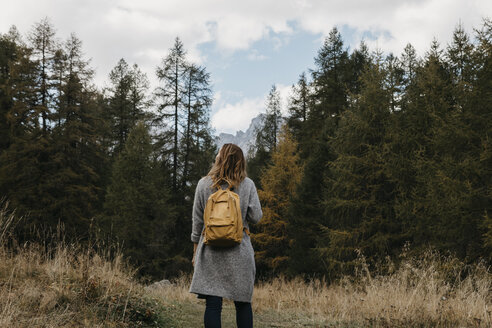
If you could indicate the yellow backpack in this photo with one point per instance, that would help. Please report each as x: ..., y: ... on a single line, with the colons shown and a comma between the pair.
x: 222, y: 219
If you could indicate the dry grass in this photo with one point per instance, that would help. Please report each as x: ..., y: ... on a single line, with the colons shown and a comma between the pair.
x: 429, y: 291
x: 68, y: 286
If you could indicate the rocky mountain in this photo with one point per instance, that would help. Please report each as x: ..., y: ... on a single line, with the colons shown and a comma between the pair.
x: 242, y: 139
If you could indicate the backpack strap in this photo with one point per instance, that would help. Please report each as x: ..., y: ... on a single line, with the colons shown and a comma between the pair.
x: 229, y: 183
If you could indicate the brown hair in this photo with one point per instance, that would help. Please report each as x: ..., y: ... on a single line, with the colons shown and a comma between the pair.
x: 229, y: 166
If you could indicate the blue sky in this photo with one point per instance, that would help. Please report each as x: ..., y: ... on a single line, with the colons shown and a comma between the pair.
x: 249, y: 74
x: 246, y: 46
x: 278, y: 58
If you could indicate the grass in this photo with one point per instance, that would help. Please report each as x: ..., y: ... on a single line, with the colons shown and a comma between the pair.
x: 68, y: 286
x: 71, y: 286
x: 426, y: 291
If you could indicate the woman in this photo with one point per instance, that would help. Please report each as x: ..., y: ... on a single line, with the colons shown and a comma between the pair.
x: 225, y: 272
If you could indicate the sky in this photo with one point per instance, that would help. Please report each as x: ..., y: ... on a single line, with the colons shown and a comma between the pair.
x: 246, y: 46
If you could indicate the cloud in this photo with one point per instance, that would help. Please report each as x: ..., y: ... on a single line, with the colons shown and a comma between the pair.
x: 144, y: 30
x: 254, y: 55
x: 285, y: 92
x: 230, y: 118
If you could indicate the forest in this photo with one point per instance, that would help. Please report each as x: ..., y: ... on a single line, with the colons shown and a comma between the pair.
x: 379, y: 153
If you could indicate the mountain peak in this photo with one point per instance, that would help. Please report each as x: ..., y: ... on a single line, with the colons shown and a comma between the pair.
x: 243, y: 139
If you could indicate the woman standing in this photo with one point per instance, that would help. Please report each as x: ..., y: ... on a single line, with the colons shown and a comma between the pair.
x: 225, y: 272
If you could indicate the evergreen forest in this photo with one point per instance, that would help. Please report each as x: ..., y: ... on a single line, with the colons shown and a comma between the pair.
x: 379, y: 153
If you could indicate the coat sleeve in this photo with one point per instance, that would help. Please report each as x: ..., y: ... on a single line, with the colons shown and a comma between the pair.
x: 254, y: 212
x: 197, y: 214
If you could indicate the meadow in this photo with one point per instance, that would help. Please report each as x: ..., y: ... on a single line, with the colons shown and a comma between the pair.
x: 74, y: 286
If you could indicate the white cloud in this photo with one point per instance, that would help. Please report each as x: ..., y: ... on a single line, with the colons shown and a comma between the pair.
x: 230, y: 118
x: 285, y: 92
x: 144, y: 30
x: 254, y: 55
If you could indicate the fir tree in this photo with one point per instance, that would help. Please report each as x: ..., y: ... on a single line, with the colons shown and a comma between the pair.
x: 358, y: 60
x: 24, y: 163
x: 267, y: 133
x: 138, y: 211
x: 78, y: 159
x: 331, y: 80
x: 259, y: 155
x: 358, y: 202
x: 479, y: 119
x: 299, y: 104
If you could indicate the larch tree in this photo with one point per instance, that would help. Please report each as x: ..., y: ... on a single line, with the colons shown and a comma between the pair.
x: 358, y: 60
x: 169, y: 96
x: 197, y: 101
x: 279, y: 181
x: 43, y: 45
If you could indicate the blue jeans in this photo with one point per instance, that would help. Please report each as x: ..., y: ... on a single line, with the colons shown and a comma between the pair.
x: 213, y: 310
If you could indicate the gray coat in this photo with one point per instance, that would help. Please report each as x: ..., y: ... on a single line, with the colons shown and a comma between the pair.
x: 226, y: 272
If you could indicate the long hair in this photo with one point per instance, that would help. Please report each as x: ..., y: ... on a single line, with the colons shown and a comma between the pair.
x: 229, y: 166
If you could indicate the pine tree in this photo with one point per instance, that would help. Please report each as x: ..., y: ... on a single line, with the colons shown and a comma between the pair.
x: 139, y: 99
x: 43, y: 44
x: 358, y: 60
x: 183, y: 141
x: 8, y: 55
x: 137, y: 206
x: 394, y: 81
x: 299, y: 104
x: 410, y: 64
x: 426, y: 107
x: 459, y: 57
x: 479, y: 119
x: 267, y: 134
x: 24, y: 163
x: 197, y: 102
x: 358, y: 202
x: 77, y: 162
x: 279, y: 181
x: 259, y: 155
x: 171, y: 74
x: 331, y: 80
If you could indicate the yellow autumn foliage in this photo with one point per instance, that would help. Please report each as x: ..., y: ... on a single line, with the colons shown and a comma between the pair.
x: 279, y: 181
